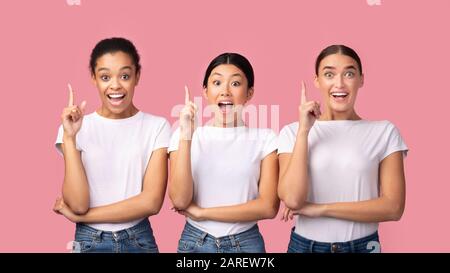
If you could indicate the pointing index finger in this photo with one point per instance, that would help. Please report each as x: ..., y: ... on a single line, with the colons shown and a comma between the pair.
x: 70, y: 95
x: 186, y: 96
x: 303, y: 94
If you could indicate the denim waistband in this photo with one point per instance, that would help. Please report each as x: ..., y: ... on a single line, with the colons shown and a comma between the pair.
x: 349, y: 244
x: 190, y: 230
x: 143, y: 226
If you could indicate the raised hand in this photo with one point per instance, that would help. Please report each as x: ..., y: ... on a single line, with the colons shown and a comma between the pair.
x: 309, y: 111
x: 72, y: 116
x: 187, y: 117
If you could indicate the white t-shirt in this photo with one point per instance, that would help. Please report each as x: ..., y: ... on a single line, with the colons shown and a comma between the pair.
x: 225, y: 164
x: 344, y: 158
x: 115, y: 154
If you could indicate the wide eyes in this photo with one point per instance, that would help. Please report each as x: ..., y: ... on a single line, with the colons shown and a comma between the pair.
x: 106, y: 78
x: 347, y: 74
x: 234, y: 84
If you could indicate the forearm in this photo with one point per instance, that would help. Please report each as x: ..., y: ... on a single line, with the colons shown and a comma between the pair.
x: 181, y: 186
x: 376, y: 210
x: 75, y: 186
x: 253, y: 210
x: 137, y: 207
x: 293, y: 185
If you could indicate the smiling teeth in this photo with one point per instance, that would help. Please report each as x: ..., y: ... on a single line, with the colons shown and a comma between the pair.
x: 116, y: 96
x: 339, y: 94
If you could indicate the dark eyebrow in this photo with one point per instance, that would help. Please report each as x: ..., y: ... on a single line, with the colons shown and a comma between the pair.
x: 217, y: 73
x: 106, y: 69
x: 328, y: 67
x: 332, y: 67
x: 350, y: 67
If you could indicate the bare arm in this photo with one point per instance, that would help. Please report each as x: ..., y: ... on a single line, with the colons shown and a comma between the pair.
x: 388, y: 207
x: 181, y: 183
x: 264, y: 207
x: 293, y: 183
x: 75, y: 189
x: 145, y: 204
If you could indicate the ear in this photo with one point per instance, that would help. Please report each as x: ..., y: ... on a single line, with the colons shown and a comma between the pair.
x: 362, y: 81
x: 316, y: 82
x: 93, y: 79
x: 205, y: 93
x: 250, y: 93
x: 138, y: 76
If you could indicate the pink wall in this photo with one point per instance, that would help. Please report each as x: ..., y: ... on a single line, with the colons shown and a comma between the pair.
x: 45, y: 44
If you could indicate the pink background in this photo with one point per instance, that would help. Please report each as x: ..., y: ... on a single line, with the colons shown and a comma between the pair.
x: 46, y: 44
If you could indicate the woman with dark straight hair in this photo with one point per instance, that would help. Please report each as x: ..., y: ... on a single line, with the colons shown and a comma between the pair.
x: 224, y: 175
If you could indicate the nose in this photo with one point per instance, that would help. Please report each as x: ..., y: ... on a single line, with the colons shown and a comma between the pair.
x: 225, y: 92
x: 339, y: 82
x: 115, y: 85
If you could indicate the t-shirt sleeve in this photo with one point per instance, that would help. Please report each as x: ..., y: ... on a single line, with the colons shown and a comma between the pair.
x: 59, y: 140
x: 286, y: 140
x: 270, y: 144
x: 174, y: 141
x: 163, y: 136
x: 394, y: 142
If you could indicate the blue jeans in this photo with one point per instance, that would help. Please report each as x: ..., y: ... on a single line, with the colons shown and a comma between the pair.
x: 299, y: 244
x: 193, y: 240
x: 137, y: 239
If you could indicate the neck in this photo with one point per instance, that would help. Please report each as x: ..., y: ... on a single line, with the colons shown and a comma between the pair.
x: 333, y: 115
x: 106, y: 113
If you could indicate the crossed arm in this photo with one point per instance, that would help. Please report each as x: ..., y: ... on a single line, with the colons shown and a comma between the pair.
x: 389, y: 206
x: 146, y: 203
x: 265, y: 206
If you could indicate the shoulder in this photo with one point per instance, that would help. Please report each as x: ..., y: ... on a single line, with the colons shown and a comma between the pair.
x: 290, y: 129
x: 153, y: 118
x: 383, y: 125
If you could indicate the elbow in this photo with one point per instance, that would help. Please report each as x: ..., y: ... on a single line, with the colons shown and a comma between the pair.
x: 396, y: 213
x: 180, y: 203
x: 271, y: 212
x: 294, y: 203
x: 79, y: 209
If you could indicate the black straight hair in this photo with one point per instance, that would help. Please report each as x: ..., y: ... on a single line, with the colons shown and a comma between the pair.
x: 235, y: 59
x: 341, y: 49
x: 112, y: 45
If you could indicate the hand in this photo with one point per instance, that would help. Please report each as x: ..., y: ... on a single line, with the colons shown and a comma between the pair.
x: 309, y: 111
x: 193, y: 211
x: 61, y: 208
x: 72, y: 116
x: 288, y: 214
x: 308, y: 210
x: 187, y: 117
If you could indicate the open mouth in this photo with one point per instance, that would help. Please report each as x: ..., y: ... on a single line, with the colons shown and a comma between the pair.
x: 116, y: 98
x: 339, y: 96
x: 226, y: 106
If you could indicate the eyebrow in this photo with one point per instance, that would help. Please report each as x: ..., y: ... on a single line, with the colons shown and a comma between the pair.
x: 217, y: 73
x: 332, y: 67
x: 106, y: 69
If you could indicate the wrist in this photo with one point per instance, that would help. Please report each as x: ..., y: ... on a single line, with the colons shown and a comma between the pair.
x: 325, y: 210
x: 69, y: 139
x: 302, y: 132
x: 202, y: 213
